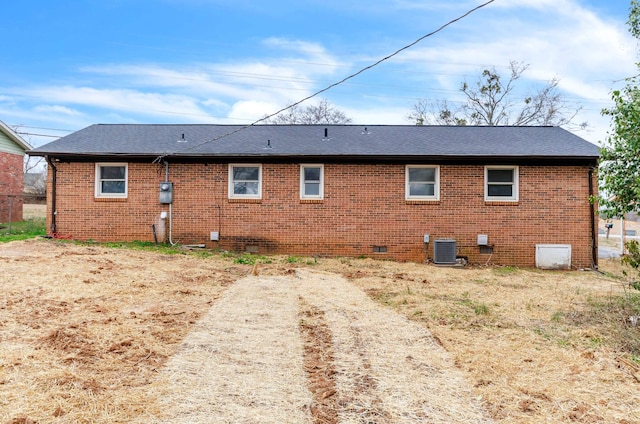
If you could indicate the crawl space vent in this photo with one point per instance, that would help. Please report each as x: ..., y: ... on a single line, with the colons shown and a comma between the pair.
x: 553, y: 256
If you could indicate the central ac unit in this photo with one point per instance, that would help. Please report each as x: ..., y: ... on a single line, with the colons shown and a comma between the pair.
x: 444, y: 251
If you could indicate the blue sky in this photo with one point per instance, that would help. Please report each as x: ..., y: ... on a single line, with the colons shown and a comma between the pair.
x: 69, y: 64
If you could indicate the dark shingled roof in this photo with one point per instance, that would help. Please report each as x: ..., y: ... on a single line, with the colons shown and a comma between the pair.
x: 308, y: 141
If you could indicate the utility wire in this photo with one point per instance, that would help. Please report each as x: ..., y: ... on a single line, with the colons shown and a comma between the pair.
x: 341, y: 81
x: 18, y: 126
x: 38, y: 135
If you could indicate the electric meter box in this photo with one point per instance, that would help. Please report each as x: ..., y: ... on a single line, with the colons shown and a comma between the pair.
x: 166, y: 193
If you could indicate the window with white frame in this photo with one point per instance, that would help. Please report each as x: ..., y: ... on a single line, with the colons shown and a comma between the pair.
x: 111, y: 180
x: 501, y: 183
x: 422, y: 182
x: 245, y: 181
x: 311, y: 181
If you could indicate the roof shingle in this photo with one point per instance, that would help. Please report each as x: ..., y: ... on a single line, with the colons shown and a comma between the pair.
x: 148, y: 140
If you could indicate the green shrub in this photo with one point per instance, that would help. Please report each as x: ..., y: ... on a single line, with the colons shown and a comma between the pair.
x: 245, y: 259
x: 632, y: 259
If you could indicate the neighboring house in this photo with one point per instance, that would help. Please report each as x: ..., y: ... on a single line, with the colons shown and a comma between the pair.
x: 12, y: 150
x: 499, y: 195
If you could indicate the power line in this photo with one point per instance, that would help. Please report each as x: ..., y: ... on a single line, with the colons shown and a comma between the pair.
x: 42, y: 128
x: 37, y: 135
x: 329, y: 87
x: 299, y: 80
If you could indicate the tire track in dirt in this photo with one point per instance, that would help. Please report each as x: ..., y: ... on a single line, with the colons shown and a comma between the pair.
x: 388, y: 369
x: 318, y: 363
x: 311, y: 348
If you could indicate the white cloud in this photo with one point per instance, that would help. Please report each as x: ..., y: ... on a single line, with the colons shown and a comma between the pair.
x: 222, y: 87
x: 122, y: 100
x: 56, y: 109
x: 389, y: 115
x: 558, y: 38
x: 247, y: 111
x: 311, y: 52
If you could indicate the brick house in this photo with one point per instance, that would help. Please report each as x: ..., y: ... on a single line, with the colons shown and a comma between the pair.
x: 12, y: 150
x: 499, y: 195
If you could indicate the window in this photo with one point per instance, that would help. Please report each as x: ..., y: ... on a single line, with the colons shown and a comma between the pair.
x: 422, y: 182
x: 111, y: 180
x: 501, y: 183
x: 311, y: 181
x: 245, y: 181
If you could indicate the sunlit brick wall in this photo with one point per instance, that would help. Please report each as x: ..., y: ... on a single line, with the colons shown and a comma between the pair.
x: 364, y: 206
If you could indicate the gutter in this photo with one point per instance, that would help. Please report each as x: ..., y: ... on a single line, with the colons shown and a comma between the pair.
x: 333, y: 157
x: 592, y: 215
x: 54, y: 179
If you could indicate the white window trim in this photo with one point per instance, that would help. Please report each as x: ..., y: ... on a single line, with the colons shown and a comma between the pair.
x: 436, y: 188
x: 320, y: 195
x: 516, y: 191
x: 98, y: 181
x: 232, y: 195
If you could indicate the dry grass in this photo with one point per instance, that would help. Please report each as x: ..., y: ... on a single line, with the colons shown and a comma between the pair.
x: 86, y: 331
x: 309, y: 347
x: 387, y: 369
x: 523, y: 338
x: 354, y: 361
x: 242, y: 362
x: 31, y: 211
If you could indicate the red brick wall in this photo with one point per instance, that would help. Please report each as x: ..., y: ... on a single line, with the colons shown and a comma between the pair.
x: 364, y: 206
x: 11, y: 186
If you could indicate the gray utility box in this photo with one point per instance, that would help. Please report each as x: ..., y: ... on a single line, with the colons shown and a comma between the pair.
x: 444, y: 251
x: 166, y: 192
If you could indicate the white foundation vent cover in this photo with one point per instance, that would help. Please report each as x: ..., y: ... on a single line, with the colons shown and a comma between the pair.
x: 553, y: 256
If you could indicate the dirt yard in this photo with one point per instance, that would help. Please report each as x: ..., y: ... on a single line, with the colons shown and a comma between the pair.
x: 90, y: 334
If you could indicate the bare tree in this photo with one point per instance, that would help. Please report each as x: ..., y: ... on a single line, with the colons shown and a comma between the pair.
x: 322, y: 113
x: 33, y: 164
x: 34, y: 170
x: 438, y: 113
x: 35, y: 175
x: 492, y: 101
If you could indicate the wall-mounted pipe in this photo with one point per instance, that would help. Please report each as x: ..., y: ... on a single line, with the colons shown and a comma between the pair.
x: 54, y: 180
x: 594, y: 235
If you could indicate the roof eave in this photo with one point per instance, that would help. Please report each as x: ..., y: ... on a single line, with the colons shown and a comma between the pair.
x: 15, y: 137
x: 319, y: 157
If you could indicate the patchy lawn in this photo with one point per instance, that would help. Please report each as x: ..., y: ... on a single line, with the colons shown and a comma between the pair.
x: 84, y: 329
x: 538, y: 346
x: 22, y: 230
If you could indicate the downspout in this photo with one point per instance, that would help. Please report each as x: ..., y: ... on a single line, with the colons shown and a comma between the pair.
x: 54, y: 179
x: 594, y: 235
